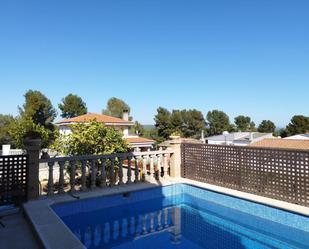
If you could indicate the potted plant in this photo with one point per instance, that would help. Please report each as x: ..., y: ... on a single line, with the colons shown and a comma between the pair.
x: 32, y: 137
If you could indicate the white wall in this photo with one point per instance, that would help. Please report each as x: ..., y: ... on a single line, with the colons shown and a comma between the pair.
x: 64, y: 130
x: 299, y: 137
x: 228, y: 143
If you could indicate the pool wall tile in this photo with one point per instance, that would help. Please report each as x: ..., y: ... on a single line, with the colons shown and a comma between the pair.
x: 262, y: 211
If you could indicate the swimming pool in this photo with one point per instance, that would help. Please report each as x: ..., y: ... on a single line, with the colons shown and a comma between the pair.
x: 181, y: 216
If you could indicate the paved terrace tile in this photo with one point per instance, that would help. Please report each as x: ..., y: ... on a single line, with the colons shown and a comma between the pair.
x: 17, y: 233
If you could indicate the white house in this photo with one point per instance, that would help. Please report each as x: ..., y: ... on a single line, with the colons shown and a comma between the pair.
x: 136, y: 142
x: 299, y: 137
x: 237, y: 138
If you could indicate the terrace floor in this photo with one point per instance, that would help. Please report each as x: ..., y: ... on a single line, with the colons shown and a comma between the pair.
x: 17, y: 233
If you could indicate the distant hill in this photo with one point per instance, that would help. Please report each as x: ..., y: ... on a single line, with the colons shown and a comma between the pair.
x: 149, y: 127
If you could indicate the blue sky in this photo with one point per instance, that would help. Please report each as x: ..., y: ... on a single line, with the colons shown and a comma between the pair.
x: 243, y: 57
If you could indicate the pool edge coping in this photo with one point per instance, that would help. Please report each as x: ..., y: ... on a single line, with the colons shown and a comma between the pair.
x: 53, y: 233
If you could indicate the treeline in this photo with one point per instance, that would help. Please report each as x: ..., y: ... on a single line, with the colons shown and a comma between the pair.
x: 37, y: 114
x: 190, y: 123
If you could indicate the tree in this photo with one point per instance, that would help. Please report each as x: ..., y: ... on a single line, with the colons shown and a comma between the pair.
x: 267, y: 126
x: 152, y: 133
x: 38, y: 108
x: 218, y: 122
x: 163, y: 123
x: 22, y: 127
x: 193, y: 123
x: 93, y: 138
x: 299, y: 125
x: 187, y: 123
x: 244, y: 123
x: 177, y: 122
x: 72, y: 106
x: 115, y: 107
x: 5, y: 123
x: 138, y: 129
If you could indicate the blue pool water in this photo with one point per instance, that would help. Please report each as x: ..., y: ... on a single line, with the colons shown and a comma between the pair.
x: 181, y: 216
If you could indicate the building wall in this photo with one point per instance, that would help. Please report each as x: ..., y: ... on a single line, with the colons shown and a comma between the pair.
x: 297, y: 137
x: 236, y: 143
x: 240, y: 142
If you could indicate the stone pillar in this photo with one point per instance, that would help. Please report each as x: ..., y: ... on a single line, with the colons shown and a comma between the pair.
x: 33, y: 147
x: 175, y: 163
x: 176, y: 231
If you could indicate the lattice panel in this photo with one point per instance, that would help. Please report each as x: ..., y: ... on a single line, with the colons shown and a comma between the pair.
x: 13, y: 179
x: 276, y: 173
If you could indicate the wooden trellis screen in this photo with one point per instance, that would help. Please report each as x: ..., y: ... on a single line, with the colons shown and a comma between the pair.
x: 275, y: 173
x: 13, y: 179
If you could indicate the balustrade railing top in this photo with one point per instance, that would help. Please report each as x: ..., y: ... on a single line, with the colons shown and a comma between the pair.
x: 106, y: 156
x: 91, y: 171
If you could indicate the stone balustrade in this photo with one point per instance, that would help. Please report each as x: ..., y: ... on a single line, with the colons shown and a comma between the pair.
x: 92, y: 171
x: 137, y: 227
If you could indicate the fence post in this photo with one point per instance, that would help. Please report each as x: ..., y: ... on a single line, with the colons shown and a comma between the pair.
x: 175, y: 166
x: 32, y: 147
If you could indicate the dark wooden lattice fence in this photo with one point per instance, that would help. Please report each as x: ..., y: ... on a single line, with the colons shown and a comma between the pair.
x: 275, y: 173
x: 13, y: 179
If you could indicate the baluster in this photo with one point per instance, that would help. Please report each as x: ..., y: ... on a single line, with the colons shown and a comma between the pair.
x: 112, y: 172
x: 61, y: 177
x: 132, y: 227
x: 120, y: 173
x: 103, y: 173
x: 159, y: 169
x: 136, y: 221
x: 72, y: 175
x: 159, y: 220
x: 136, y: 171
x: 144, y: 224
x: 152, y: 223
x: 165, y: 166
x: 144, y: 168
x: 50, y: 184
x: 165, y: 217
x: 84, y: 163
x: 160, y: 163
x: 129, y: 170
x: 93, y: 174
x: 152, y: 172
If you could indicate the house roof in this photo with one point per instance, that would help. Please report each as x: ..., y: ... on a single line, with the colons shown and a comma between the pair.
x: 299, y: 136
x: 282, y: 143
x: 134, y: 140
x: 86, y: 118
x: 238, y: 136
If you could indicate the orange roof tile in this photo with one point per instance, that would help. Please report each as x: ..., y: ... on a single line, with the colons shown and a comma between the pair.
x: 139, y: 140
x: 282, y: 143
x: 86, y: 118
